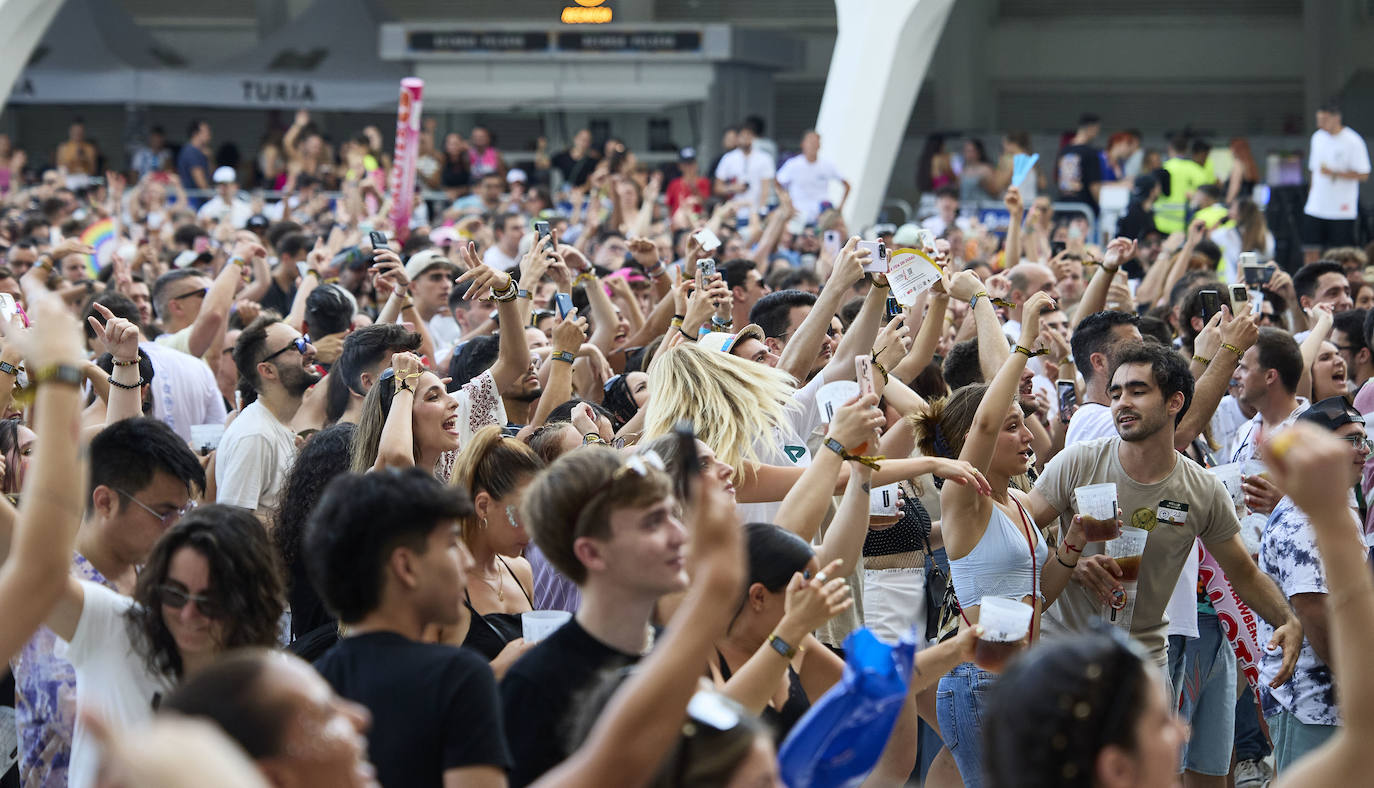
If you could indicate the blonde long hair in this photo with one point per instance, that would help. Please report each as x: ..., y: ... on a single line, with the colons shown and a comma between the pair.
x: 731, y: 401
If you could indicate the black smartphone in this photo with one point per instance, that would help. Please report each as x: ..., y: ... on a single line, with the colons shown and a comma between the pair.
x: 893, y: 308
x: 1068, y: 398
x: 541, y: 230
x: 689, y: 465
x: 1211, y: 304
x: 1056, y: 247
x: 378, y: 239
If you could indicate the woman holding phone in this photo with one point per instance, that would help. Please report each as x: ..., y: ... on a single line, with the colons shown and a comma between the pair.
x: 994, y: 547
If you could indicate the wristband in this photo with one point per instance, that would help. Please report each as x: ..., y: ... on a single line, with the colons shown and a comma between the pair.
x: 129, y: 386
x: 45, y: 262
x: 676, y: 323
x: 585, y: 276
x: 563, y: 355
x: 406, y: 304
x: 312, y: 272
x: 683, y: 331
x: 724, y: 325
x: 591, y: 438
x: 1233, y: 349
x: 782, y: 647
x: 240, y: 262
x: 838, y: 448
x: 9, y: 369
x: 523, y: 294
x: 403, y: 382
x: 656, y: 271
x: 1062, y: 562
x: 1028, y: 353
x: 65, y: 374
x: 117, y: 363
x: 878, y: 366
x: 1203, y: 361
x: 507, y: 294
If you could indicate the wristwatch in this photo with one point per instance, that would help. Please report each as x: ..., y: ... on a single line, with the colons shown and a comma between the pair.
x: 782, y: 647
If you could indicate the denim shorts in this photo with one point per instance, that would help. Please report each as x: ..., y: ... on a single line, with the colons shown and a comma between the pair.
x: 959, y: 701
x: 1203, y: 671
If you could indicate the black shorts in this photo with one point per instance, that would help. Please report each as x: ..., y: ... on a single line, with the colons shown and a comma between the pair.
x: 1327, y: 233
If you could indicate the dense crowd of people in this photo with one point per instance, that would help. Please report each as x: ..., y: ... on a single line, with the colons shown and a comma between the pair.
x: 589, y: 479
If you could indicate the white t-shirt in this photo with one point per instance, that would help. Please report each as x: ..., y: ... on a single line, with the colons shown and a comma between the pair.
x: 752, y: 169
x: 808, y: 183
x: 184, y: 390
x: 1090, y: 422
x: 111, y: 676
x: 445, y: 332
x: 216, y: 208
x: 1344, y: 151
x: 254, y: 456
x: 498, y: 259
x: 786, y: 446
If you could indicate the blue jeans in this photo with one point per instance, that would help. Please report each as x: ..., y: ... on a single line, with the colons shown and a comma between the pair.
x: 1293, y: 738
x: 959, y: 702
x: 1251, y: 745
x: 1203, y: 671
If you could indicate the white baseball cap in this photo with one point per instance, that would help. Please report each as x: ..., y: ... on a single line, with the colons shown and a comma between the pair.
x: 225, y: 175
x: 516, y: 175
x: 725, y: 343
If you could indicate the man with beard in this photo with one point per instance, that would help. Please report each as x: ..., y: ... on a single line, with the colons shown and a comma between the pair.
x: 257, y: 449
x: 479, y: 354
x: 1093, y: 342
x: 1160, y: 491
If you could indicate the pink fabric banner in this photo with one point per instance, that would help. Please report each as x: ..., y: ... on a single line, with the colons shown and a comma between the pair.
x: 402, y: 189
x: 1237, y: 620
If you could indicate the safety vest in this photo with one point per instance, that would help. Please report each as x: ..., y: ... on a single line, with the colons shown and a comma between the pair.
x: 1171, y: 209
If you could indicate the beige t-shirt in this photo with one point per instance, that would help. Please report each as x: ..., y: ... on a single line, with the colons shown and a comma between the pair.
x: 1189, y: 503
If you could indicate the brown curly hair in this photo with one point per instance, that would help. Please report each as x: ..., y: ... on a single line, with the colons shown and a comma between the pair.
x: 245, y: 580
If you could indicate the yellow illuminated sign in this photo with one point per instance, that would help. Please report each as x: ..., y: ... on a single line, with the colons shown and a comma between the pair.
x: 591, y: 12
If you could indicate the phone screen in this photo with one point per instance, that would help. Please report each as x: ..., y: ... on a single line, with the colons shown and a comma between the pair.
x: 1211, y: 303
x: 541, y: 229
x: 1068, y: 398
x: 893, y: 307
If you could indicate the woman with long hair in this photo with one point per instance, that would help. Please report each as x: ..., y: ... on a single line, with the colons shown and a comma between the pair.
x: 1082, y: 712
x: 977, y: 180
x: 324, y: 456
x: 16, y: 447
x: 494, y: 471
x: 993, y: 544
x: 408, y: 418
x: 932, y: 166
x: 1245, y: 174
x: 1247, y: 231
x: 211, y: 584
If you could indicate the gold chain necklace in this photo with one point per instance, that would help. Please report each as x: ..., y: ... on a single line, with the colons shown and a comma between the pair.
x: 499, y: 586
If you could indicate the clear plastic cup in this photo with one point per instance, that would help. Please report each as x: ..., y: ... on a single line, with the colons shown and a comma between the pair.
x: 1006, y: 629
x: 1127, y: 549
x: 1097, y: 507
x: 539, y: 624
x: 1229, y: 476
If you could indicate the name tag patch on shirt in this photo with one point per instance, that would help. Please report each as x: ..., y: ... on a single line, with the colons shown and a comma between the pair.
x: 1172, y: 512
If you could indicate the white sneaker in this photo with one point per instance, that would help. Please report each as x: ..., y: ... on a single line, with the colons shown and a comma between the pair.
x: 1253, y: 774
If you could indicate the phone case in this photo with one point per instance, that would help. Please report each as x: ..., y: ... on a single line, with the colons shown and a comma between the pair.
x: 863, y: 373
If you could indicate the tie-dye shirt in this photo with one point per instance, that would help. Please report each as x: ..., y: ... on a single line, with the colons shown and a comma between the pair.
x: 1288, y: 554
x: 45, y: 700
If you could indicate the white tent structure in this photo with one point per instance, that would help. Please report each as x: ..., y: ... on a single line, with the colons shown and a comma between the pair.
x: 325, y: 59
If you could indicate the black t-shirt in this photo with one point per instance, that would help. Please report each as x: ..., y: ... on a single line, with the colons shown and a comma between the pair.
x: 575, y: 171
x: 278, y: 300
x: 434, y: 707
x: 539, y: 691
x: 1080, y: 166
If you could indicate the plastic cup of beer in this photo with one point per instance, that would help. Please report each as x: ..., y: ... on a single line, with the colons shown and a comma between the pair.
x: 1230, y: 477
x: 535, y: 625
x: 1006, y: 627
x: 1097, y: 507
x: 1127, y: 549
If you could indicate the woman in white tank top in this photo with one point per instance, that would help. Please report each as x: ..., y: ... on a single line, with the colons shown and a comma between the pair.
x: 993, y: 544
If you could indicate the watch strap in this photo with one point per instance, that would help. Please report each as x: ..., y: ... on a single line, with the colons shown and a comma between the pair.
x: 563, y: 355
x: 782, y: 646
x: 67, y: 374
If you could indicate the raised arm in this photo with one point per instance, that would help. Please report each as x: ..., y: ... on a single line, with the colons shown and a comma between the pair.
x: 858, y: 340
x: 120, y: 339
x: 1320, y: 319
x: 568, y: 337
x: 35, y: 581
x: 1012, y: 199
x: 981, y: 441
x: 396, y: 447
x: 1237, y: 336
x: 1301, y: 460
x: 513, y: 351
x: 805, y: 344
x: 1095, y: 296
x: 214, y: 309
x: 806, y: 502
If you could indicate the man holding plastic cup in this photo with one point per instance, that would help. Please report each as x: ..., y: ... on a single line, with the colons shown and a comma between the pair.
x: 1159, y: 491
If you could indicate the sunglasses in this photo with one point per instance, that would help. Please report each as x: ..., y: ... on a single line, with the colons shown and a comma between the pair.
x: 299, y: 343
x: 201, y: 292
x: 177, y: 599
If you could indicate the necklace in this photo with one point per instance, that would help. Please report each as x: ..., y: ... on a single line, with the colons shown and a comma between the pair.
x: 499, y: 586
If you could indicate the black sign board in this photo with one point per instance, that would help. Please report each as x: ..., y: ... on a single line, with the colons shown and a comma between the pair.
x: 686, y: 41
x: 459, y: 41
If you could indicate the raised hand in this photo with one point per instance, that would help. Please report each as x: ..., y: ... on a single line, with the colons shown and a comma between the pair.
x: 810, y: 603
x: 1119, y: 250
x: 1030, y: 317
x: 570, y: 333
x: 117, y: 335
x: 855, y: 422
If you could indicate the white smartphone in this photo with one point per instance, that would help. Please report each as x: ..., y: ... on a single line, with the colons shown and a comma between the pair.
x: 865, y: 375
x: 7, y: 307
x: 877, y: 263
x: 706, y: 239
x: 1240, y: 300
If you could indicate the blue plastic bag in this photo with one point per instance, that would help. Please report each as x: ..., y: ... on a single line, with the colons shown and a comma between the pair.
x: 839, y: 740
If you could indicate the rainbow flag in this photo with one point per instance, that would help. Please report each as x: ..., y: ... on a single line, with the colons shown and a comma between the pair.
x: 100, y: 236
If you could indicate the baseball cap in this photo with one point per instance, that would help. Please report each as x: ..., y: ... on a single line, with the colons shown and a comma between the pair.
x: 516, y: 175
x: 687, y: 154
x: 191, y: 257
x: 906, y: 235
x: 725, y: 343
x: 420, y: 262
x: 1332, y: 413
x: 257, y: 222
x: 225, y: 175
